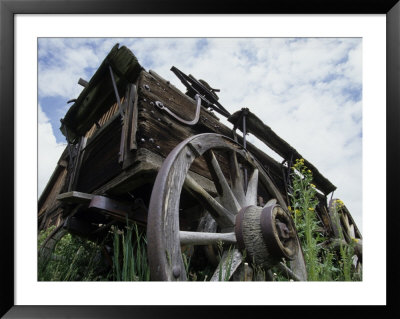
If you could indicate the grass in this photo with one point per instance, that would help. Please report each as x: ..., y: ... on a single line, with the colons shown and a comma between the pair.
x: 130, y: 255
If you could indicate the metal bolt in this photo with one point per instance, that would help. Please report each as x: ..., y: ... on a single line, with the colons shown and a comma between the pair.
x: 152, y: 103
x: 151, y: 140
x: 176, y: 271
x: 144, y: 100
x: 158, y: 147
x: 159, y: 119
x: 147, y: 87
x: 152, y: 112
x: 142, y: 140
x: 159, y: 104
x: 188, y: 154
x: 199, y: 145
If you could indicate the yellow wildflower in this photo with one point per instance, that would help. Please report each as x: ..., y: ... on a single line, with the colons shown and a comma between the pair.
x: 308, y: 171
x: 311, y: 209
x: 297, y: 212
x: 312, y: 185
x: 354, y: 239
x: 289, y: 208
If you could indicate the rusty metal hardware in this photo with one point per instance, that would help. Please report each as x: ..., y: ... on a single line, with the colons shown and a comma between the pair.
x: 120, y: 210
x: 196, y: 87
x: 161, y: 106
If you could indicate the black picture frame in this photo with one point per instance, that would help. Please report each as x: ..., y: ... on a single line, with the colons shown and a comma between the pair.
x: 8, y: 10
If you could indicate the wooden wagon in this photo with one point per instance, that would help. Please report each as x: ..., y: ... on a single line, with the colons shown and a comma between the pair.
x: 140, y: 150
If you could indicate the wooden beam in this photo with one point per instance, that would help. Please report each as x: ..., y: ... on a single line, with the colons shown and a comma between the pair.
x: 75, y: 197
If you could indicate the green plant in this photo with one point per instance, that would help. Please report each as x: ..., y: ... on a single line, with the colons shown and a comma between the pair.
x: 73, y: 259
x: 130, y: 263
x: 323, y: 262
x: 303, y: 204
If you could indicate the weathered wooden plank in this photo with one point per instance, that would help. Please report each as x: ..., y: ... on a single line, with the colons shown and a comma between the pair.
x: 124, y: 135
x: 142, y: 172
x: 75, y: 197
x: 128, y: 143
x: 170, y: 86
x: 100, y: 160
x: 77, y: 164
x: 97, y: 133
x: 134, y: 120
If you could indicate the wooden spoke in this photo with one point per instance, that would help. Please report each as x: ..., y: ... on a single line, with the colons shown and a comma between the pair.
x: 226, y: 195
x: 352, y: 231
x: 345, y: 222
x: 200, y: 238
x: 223, y: 216
x: 286, y: 270
x: 230, y: 261
x: 252, y: 186
x: 237, y: 179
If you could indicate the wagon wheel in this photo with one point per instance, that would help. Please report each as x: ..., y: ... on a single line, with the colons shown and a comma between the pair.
x: 344, y: 228
x: 266, y: 233
x: 47, y: 247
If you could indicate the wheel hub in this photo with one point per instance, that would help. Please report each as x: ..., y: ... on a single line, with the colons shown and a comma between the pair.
x: 266, y: 234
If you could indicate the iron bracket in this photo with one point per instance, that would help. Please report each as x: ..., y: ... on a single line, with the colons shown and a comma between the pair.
x: 161, y: 106
x: 119, y: 210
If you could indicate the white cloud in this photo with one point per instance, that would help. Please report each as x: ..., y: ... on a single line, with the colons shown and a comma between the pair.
x: 49, y: 151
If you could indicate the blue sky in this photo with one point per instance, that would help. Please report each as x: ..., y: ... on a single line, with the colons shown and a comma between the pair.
x: 308, y: 90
